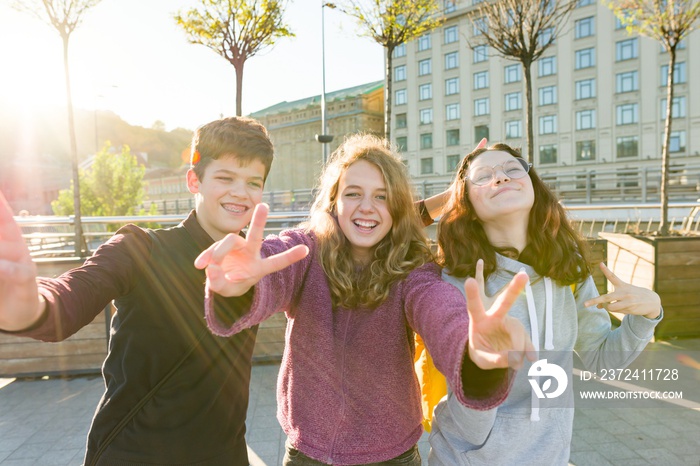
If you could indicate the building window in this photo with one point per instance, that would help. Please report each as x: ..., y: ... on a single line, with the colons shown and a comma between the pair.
x: 677, y: 108
x: 425, y: 91
x: 400, y: 73
x: 626, y: 49
x: 545, y: 37
x: 627, y: 114
x: 481, y: 106
x: 452, y: 86
x: 548, y: 95
x: 481, y: 53
x: 425, y: 67
x: 678, y: 74
x: 426, y: 166
x: 480, y: 26
x: 401, y: 121
x: 584, y: 27
x: 401, y: 143
x: 548, y: 124
x: 424, y: 42
x: 514, y: 101
x: 584, y: 58
x: 426, y: 142
x: 585, y: 89
x: 581, y: 3
x: 452, y: 162
x: 627, y: 146
x: 400, y: 97
x: 425, y: 116
x: 481, y: 132
x: 547, y: 66
x: 451, y: 34
x: 449, y: 6
x: 585, y: 119
x: 452, y: 137
x: 400, y: 51
x: 548, y: 154
x: 585, y: 151
x: 451, y: 60
x: 514, y: 129
x: 677, y: 141
x: 626, y: 82
x: 481, y: 80
x: 452, y: 111
x: 512, y: 73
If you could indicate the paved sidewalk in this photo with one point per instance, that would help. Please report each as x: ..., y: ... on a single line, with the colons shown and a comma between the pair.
x: 45, y: 422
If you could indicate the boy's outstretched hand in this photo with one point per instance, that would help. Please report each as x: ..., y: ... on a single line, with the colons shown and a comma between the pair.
x: 497, y: 340
x: 20, y: 305
x: 627, y: 298
x: 234, y: 264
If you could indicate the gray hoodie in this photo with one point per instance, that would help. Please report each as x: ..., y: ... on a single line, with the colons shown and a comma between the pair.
x: 517, y: 431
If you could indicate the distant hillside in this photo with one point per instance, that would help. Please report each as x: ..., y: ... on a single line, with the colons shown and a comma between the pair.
x: 47, y: 135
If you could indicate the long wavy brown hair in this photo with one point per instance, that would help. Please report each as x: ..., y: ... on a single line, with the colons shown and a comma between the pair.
x: 556, y: 250
x: 405, y: 246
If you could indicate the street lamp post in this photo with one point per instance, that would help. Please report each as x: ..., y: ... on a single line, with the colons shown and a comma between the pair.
x: 324, y: 138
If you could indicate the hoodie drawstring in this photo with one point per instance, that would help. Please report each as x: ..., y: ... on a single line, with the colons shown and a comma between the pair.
x: 535, y: 331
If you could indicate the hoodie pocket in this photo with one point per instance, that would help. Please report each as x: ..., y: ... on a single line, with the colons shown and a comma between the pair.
x: 517, y: 440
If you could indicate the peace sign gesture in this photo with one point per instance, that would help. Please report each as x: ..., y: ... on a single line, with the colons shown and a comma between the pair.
x: 234, y: 264
x: 20, y: 304
x: 496, y: 339
x: 627, y: 298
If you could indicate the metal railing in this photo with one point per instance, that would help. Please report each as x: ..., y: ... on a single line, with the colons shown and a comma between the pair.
x: 50, y: 236
x: 640, y: 184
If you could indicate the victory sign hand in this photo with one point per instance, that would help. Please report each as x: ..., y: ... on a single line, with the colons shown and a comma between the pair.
x: 233, y: 265
x: 20, y: 304
x: 627, y: 298
x: 496, y: 340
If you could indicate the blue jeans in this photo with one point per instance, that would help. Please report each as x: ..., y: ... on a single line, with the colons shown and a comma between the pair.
x: 294, y: 457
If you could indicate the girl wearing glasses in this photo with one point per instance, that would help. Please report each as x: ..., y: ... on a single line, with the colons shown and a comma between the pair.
x: 502, y: 219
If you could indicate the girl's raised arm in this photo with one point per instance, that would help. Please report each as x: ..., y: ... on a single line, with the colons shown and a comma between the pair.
x: 234, y: 264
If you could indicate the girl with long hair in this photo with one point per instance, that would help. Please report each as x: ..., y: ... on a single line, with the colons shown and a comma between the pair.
x: 501, y: 219
x: 355, y: 281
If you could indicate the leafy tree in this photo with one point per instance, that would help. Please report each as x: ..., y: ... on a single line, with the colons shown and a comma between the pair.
x: 112, y: 186
x: 391, y: 23
x: 65, y: 16
x: 521, y: 30
x: 236, y: 30
x: 667, y: 22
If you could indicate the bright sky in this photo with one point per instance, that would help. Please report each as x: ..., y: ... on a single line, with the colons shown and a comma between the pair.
x: 129, y: 56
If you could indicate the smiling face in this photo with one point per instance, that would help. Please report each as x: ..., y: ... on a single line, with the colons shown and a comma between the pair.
x: 362, y: 208
x: 226, y: 194
x: 502, y: 195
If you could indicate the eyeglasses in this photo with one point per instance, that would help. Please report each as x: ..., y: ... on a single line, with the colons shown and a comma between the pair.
x: 514, y: 169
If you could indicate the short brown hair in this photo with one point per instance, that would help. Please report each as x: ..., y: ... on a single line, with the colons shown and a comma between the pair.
x: 241, y: 137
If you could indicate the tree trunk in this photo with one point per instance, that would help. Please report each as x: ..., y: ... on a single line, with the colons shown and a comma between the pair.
x: 665, y: 163
x: 527, y: 70
x: 388, y: 52
x: 238, y: 65
x: 80, y: 247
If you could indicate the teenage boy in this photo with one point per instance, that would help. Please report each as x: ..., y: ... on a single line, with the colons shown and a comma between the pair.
x: 174, y: 393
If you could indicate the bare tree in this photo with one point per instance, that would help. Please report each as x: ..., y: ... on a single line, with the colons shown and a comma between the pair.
x: 236, y: 30
x: 391, y: 23
x: 667, y: 22
x: 521, y: 30
x: 65, y: 16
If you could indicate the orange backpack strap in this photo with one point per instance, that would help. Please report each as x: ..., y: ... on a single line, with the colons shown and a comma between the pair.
x: 433, y: 385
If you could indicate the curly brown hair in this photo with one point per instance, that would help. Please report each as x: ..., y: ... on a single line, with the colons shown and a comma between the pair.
x: 403, y: 249
x: 556, y: 248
